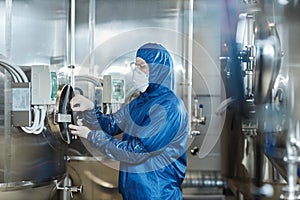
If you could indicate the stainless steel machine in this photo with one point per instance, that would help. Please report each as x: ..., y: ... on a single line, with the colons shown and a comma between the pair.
x: 35, y: 96
x: 78, y: 47
x: 236, y: 69
x: 261, y: 126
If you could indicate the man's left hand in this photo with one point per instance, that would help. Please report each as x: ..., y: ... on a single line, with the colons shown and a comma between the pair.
x: 81, y: 131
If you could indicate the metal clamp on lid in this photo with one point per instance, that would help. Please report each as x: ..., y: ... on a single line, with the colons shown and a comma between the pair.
x: 59, y: 118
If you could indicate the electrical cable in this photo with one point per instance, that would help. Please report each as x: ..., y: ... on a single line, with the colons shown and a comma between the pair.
x: 41, y: 124
x: 35, y: 125
x: 14, y: 67
x: 14, y: 77
x: 39, y: 112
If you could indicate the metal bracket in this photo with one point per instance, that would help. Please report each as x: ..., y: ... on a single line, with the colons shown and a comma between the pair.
x: 59, y: 117
x: 70, y: 189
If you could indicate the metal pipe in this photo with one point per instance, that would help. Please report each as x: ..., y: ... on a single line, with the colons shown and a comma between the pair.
x: 291, y: 191
x: 92, y: 79
x: 190, y: 58
x: 72, y: 42
x: 92, y: 13
x: 72, y: 39
x: 203, y: 179
x: 8, y: 27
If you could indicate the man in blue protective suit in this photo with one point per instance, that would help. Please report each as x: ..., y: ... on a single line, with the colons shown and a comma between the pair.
x: 152, y: 152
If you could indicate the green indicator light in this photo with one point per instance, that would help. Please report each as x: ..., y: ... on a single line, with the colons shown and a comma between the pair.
x: 54, y: 86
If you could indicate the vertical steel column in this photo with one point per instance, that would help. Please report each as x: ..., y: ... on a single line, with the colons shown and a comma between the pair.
x: 92, y: 13
x: 7, y: 98
x: 190, y: 58
x: 71, y: 33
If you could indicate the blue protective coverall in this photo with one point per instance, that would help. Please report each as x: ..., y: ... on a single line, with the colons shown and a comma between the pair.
x: 152, y: 152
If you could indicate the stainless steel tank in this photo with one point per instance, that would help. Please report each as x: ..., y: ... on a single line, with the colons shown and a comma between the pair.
x: 252, y: 124
x: 34, y: 32
x: 258, y: 125
x: 30, y: 165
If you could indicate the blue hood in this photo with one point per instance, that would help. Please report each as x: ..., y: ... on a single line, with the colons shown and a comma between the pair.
x: 161, y: 69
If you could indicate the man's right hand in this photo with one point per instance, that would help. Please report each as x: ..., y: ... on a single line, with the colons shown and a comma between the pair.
x: 81, y: 103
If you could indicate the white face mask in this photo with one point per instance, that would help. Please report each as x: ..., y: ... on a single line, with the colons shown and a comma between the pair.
x: 140, y: 79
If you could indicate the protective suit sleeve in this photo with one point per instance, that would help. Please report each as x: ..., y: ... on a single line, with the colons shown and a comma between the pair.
x: 89, y: 119
x: 130, y: 151
x: 112, y: 123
